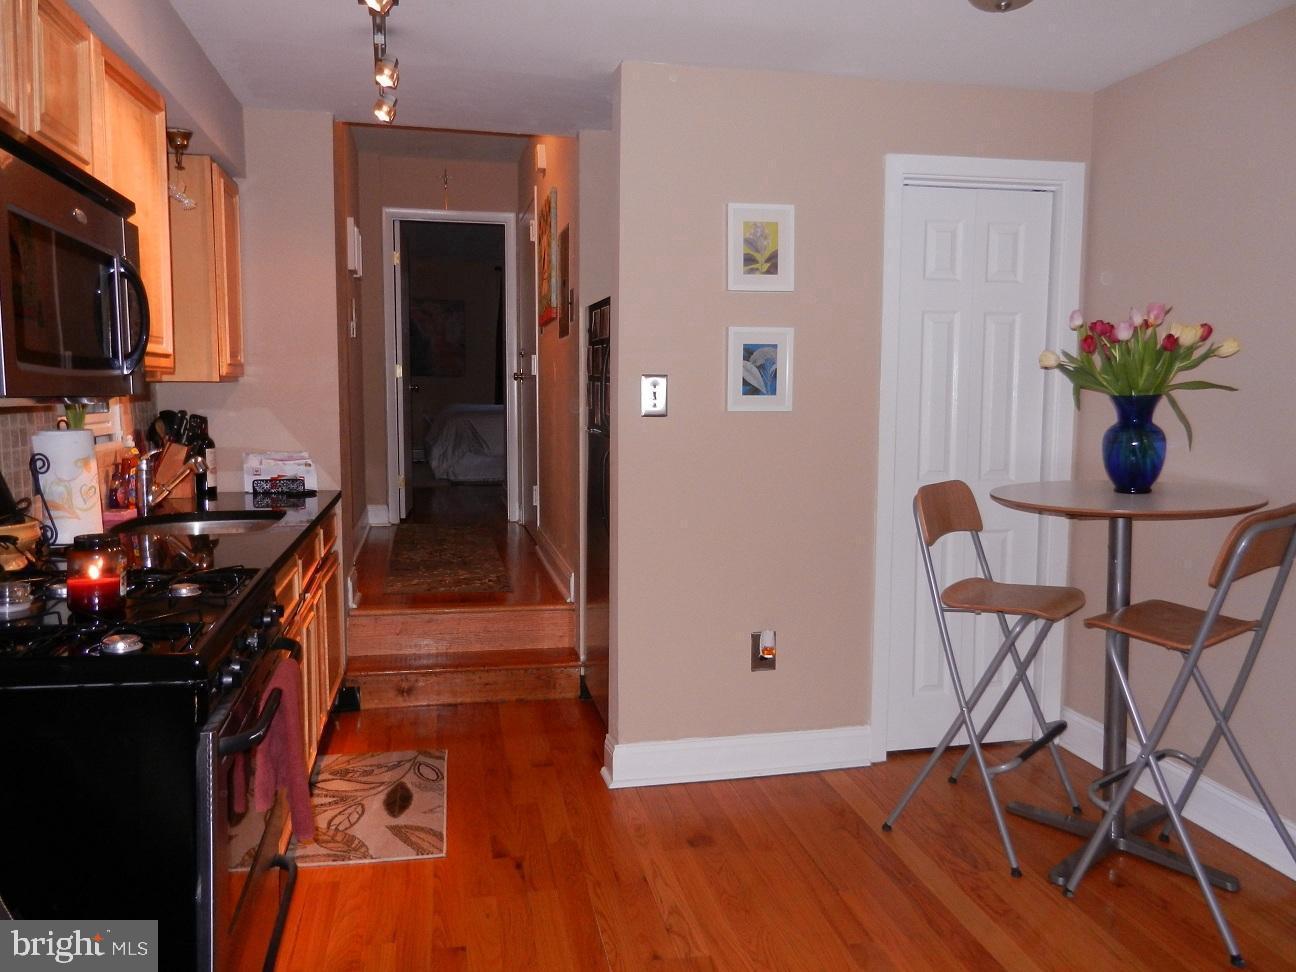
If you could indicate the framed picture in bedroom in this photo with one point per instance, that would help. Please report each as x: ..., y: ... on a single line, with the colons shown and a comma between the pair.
x: 761, y: 247
x: 759, y: 369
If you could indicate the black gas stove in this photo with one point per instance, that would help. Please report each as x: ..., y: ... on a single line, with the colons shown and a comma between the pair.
x: 118, y: 728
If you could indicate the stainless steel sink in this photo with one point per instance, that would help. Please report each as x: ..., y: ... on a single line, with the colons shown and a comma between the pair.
x: 202, y: 524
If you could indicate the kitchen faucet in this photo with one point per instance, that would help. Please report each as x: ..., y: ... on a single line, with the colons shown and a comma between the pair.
x: 148, y: 493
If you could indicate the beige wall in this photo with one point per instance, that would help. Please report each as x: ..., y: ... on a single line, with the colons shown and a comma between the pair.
x: 730, y: 522
x: 346, y: 194
x: 410, y: 182
x: 288, y: 396
x: 1191, y: 203
x: 559, y: 389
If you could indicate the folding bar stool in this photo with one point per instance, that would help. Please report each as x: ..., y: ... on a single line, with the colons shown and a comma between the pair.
x: 950, y: 507
x: 1262, y: 541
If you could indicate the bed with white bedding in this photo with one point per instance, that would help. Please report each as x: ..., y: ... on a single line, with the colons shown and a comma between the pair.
x: 466, y: 444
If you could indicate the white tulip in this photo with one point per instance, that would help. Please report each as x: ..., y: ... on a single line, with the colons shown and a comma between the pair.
x: 1049, y: 360
x: 1229, y: 348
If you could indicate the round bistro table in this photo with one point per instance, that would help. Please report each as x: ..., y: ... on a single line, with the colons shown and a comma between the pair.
x: 1096, y: 500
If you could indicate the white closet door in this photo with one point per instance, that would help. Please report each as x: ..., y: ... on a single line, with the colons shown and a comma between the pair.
x: 974, y: 300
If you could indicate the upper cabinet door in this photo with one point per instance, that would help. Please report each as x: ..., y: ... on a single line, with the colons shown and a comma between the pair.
x: 229, y: 282
x: 130, y: 154
x: 62, y: 67
x: 11, y: 72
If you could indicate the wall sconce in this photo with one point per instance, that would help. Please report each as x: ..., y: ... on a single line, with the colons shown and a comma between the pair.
x: 178, y: 140
x: 385, y: 107
x: 542, y: 159
x: 387, y: 72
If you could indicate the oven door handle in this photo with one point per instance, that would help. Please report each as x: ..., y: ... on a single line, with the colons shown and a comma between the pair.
x: 287, y: 863
x: 243, y: 741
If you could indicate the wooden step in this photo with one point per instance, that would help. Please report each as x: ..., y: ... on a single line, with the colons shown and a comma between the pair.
x: 460, y: 628
x: 440, y: 678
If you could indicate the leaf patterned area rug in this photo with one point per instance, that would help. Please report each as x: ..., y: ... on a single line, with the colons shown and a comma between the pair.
x: 372, y: 807
x: 445, y: 559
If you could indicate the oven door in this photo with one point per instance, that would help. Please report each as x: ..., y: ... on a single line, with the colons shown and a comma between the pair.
x: 246, y: 872
x: 72, y: 305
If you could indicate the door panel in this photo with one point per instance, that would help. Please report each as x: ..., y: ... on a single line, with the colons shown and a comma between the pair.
x: 974, y: 296
x: 526, y: 379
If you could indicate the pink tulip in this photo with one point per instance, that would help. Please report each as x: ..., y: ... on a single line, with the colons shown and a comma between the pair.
x: 1137, y: 317
x: 1206, y: 331
x: 1156, y: 313
x: 1076, y: 320
x: 1125, y: 330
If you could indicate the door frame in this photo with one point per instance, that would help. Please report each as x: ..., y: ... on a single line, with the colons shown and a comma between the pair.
x: 1066, y: 181
x: 397, y: 440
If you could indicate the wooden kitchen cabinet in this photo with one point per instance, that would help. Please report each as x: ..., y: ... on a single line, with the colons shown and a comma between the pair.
x: 130, y: 154
x: 206, y: 271
x: 310, y: 590
x: 12, y: 76
x: 59, y: 60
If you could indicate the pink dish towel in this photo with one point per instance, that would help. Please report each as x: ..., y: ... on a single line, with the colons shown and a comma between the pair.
x: 281, y: 757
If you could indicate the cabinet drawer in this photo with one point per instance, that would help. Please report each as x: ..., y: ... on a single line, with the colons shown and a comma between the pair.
x: 288, y: 586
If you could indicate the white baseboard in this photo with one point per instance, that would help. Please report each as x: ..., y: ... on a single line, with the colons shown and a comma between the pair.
x: 378, y: 515
x: 556, y: 564
x: 1227, y: 814
x: 733, y: 757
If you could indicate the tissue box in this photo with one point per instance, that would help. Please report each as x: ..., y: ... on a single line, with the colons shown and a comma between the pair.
x: 278, y: 472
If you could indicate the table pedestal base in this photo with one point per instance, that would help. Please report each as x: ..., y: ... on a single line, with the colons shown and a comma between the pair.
x: 1126, y: 843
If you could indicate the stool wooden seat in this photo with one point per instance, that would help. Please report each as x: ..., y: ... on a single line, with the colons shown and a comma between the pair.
x: 1170, y: 625
x: 991, y: 597
x: 950, y: 507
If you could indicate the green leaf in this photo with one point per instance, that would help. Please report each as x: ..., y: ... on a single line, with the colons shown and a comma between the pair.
x: 1183, y: 419
x: 1197, y: 385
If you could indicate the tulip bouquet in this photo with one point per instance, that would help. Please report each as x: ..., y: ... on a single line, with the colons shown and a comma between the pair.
x: 1139, y: 357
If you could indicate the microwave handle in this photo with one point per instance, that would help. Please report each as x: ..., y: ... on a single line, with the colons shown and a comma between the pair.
x: 135, y: 356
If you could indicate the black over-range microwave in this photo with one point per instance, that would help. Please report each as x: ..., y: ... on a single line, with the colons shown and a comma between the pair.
x: 74, y: 317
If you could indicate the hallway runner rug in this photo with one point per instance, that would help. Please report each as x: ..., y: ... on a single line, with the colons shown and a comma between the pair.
x: 372, y: 807
x: 445, y: 559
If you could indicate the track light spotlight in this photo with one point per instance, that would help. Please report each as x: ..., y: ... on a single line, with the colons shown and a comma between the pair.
x: 378, y: 6
x: 385, y: 107
x: 387, y: 72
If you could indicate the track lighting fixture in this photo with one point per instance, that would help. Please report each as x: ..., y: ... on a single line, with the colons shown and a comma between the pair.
x: 385, y: 107
x: 998, y: 6
x: 387, y: 72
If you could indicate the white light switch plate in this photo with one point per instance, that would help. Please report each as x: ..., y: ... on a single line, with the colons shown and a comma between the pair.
x: 652, y: 394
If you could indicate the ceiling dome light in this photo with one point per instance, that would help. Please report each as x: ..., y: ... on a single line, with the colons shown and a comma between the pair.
x: 385, y: 107
x: 379, y: 6
x: 387, y: 72
x: 998, y: 6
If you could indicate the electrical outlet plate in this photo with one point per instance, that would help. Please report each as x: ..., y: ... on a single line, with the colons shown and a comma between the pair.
x: 759, y: 662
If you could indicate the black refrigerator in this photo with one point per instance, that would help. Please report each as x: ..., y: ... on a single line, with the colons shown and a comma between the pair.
x: 598, y: 425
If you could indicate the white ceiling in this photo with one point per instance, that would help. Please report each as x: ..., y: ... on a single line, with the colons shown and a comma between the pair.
x: 545, y: 66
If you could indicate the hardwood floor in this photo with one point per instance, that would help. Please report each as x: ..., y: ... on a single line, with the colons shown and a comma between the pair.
x: 547, y: 869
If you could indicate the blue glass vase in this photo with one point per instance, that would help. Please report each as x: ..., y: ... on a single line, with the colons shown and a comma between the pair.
x: 1134, y: 448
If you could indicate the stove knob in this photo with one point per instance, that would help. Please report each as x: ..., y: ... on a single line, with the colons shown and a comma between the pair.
x: 231, y: 676
x: 269, y: 616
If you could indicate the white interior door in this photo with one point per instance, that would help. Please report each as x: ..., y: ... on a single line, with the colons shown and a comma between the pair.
x: 974, y: 297
x: 404, y: 459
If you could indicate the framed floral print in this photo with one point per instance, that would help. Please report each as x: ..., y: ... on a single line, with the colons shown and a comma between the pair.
x: 759, y: 369
x: 762, y: 247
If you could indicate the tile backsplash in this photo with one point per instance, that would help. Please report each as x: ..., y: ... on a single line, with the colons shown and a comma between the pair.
x: 18, y: 424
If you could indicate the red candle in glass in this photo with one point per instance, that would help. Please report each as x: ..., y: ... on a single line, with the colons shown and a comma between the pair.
x: 96, y: 574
